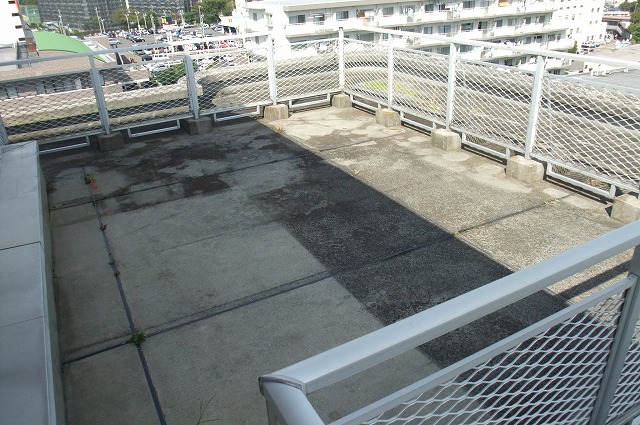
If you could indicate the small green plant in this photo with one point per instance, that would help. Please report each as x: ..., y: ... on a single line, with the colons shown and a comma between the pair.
x: 138, y: 337
x: 89, y: 178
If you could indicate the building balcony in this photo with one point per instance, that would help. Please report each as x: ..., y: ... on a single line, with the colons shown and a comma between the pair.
x: 191, y: 261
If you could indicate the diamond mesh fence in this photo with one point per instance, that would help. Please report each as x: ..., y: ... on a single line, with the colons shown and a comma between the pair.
x: 136, y: 94
x: 420, y: 83
x: 306, y: 69
x: 232, y: 79
x: 42, y: 104
x: 628, y: 390
x: 590, y: 128
x: 365, y: 70
x: 492, y: 103
x: 551, y: 378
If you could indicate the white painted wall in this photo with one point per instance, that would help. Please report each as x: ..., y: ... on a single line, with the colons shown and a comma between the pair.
x: 10, y: 23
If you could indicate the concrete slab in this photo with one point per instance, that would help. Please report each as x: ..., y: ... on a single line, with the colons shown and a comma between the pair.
x: 90, y: 310
x: 21, y: 292
x: 163, y: 285
x: 23, y: 393
x: 108, y: 388
x: 266, y: 336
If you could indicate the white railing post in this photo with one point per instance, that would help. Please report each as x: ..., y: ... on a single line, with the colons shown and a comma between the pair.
x: 390, y: 72
x: 619, y: 347
x: 451, y: 85
x: 271, y: 63
x: 534, y: 111
x: 341, y: 78
x: 192, y: 87
x: 96, y: 81
x: 287, y: 405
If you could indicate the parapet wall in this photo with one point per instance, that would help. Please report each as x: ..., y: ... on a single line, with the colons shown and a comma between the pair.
x: 31, y: 385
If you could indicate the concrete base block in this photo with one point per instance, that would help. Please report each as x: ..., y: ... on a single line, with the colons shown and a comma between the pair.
x: 445, y: 140
x: 525, y: 170
x: 626, y: 208
x: 387, y: 118
x: 341, y: 101
x: 276, y: 112
x: 110, y: 142
x: 199, y: 126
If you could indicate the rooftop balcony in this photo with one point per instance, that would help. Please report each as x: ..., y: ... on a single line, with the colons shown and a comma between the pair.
x: 242, y: 251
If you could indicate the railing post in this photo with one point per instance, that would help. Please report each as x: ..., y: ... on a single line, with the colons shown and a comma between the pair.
x: 534, y: 111
x: 341, y: 78
x: 271, y: 63
x: 192, y: 88
x: 96, y: 81
x: 619, y: 347
x: 451, y: 84
x: 390, y: 72
x: 4, y: 138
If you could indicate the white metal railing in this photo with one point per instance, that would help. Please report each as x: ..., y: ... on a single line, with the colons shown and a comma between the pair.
x: 586, y: 133
x: 581, y: 365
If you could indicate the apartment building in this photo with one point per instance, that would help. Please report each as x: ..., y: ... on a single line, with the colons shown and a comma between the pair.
x: 582, y: 18
x: 12, y: 30
x: 511, y: 22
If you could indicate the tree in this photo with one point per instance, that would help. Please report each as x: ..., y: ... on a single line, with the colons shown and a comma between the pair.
x: 91, y: 24
x: 190, y: 17
x: 118, y: 17
x: 213, y: 9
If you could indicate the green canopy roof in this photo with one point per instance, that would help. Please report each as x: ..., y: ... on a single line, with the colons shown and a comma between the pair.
x: 54, y: 41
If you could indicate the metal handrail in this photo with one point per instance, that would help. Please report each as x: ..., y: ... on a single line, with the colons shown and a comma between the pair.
x: 360, y: 354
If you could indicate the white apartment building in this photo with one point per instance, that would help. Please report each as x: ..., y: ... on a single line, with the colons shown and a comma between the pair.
x: 582, y: 18
x: 514, y: 22
x: 11, y: 24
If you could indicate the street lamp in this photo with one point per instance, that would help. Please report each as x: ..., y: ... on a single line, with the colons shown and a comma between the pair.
x: 104, y: 30
x: 201, y: 18
x: 100, y: 28
x: 126, y: 15
x: 61, y: 24
x: 153, y: 20
x: 145, y: 19
x: 182, y: 16
x: 137, y: 19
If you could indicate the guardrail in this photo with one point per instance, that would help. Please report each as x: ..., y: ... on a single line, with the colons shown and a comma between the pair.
x: 587, y: 133
x: 580, y: 365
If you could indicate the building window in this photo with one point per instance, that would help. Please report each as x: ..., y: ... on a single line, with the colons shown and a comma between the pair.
x: 468, y: 4
x: 499, y: 23
x: 466, y: 48
x: 15, y: 14
x: 342, y: 15
x: 297, y: 19
x: 429, y: 8
x: 387, y: 11
x: 255, y: 16
x: 510, y: 22
x: 527, y: 20
x: 427, y: 30
x: 466, y: 27
x: 18, y: 27
x: 443, y: 50
x: 444, y: 29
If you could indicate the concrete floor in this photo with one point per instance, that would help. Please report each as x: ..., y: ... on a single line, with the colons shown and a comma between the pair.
x: 247, y: 249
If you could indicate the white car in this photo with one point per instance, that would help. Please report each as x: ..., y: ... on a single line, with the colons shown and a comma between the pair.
x: 114, y: 42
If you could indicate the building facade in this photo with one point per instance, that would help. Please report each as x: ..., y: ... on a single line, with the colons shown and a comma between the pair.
x: 583, y: 19
x: 74, y: 13
x: 510, y: 22
x: 12, y: 28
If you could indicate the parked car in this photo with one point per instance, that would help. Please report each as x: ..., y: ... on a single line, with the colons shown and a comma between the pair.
x: 218, y: 28
x: 113, y: 41
x: 154, y: 69
x: 130, y: 85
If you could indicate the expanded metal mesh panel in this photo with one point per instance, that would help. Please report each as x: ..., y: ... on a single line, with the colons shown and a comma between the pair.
x: 590, y: 128
x: 45, y: 106
x: 627, y: 394
x: 492, y: 102
x: 308, y: 68
x: 365, y: 70
x: 137, y: 94
x: 231, y: 79
x: 420, y: 83
x: 551, y: 378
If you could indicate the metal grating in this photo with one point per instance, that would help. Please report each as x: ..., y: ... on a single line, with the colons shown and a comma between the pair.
x: 365, y: 70
x: 420, y: 83
x: 492, y: 102
x: 590, y: 128
x: 46, y: 106
x: 628, y: 391
x: 551, y: 378
x: 233, y: 79
x: 137, y: 94
x: 306, y: 69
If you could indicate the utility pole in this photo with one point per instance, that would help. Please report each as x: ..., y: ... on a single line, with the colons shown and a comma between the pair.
x: 137, y: 19
x: 145, y: 20
x: 201, y: 17
x: 153, y: 20
x: 126, y: 15
x: 100, y: 27
x: 61, y: 24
